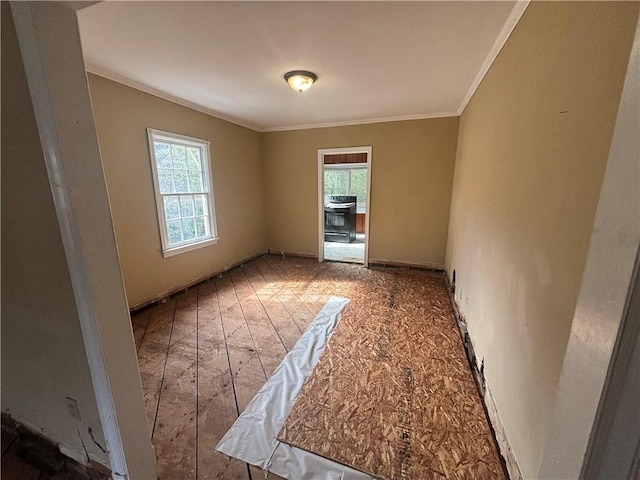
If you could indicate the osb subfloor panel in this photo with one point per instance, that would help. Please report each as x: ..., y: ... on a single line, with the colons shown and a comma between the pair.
x: 393, y: 394
x: 205, y: 353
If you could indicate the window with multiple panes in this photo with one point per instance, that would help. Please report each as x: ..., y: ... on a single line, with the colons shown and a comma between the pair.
x: 184, y: 191
x: 346, y: 179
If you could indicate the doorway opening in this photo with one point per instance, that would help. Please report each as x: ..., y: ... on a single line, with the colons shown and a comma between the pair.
x: 344, y: 185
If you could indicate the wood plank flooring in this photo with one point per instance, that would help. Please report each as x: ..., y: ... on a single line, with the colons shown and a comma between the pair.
x: 205, y: 353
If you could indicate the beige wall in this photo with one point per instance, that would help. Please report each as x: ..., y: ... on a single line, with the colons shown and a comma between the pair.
x: 43, y: 355
x: 591, y: 424
x: 532, y: 150
x: 412, y: 171
x: 122, y: 115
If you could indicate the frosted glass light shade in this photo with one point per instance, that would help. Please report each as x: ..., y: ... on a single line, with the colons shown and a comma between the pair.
x: 300, y: 80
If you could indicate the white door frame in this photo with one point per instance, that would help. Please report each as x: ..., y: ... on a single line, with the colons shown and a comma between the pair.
x: 52, y: 54
x: 321, y: 153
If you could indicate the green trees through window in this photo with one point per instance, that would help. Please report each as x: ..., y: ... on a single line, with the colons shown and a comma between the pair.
x: 183, y: 190
x: 346, y: 181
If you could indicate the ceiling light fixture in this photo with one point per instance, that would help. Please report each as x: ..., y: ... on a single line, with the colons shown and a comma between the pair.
x: 300, y: 80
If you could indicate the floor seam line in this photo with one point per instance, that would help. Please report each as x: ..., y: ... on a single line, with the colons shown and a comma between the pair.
x: 267, y: 313
x: 164, y: 368
x: 244, y: 317
x: 226, y: 347
x: 144, y: 334
x: 197, y: 415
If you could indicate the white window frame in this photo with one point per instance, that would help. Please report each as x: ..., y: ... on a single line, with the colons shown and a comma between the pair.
x: 349, y: 167
x: 212, y: 239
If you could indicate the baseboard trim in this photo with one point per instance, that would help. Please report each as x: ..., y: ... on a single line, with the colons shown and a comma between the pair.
x: 161, y: 297
x: 509, y: 461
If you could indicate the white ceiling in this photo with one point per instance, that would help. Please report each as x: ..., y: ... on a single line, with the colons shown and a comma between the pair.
x: 375, y: 61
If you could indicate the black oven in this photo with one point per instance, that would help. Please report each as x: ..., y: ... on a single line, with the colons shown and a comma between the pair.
x: 340, y: 219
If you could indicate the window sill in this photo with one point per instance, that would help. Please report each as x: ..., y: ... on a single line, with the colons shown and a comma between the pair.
x: 170, y: 252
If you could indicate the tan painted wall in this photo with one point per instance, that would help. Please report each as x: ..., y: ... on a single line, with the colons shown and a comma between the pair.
x: 532, y: 151
x: 412, y: 171
x: 122, y: 115
x: 43, y: 355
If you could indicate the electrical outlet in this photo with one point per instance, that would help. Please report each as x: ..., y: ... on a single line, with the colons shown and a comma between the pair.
x: 72, y: 408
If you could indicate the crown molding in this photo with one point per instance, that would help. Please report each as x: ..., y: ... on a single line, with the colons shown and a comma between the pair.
x: 362, y: 121
x: 503, y: 36
x: 101, y: 72
x: 514, y: 17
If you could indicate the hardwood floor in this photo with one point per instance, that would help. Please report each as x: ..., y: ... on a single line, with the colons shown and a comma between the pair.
x: 204, y: 354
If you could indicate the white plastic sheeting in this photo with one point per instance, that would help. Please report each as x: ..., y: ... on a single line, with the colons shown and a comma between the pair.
x: 252, y: 438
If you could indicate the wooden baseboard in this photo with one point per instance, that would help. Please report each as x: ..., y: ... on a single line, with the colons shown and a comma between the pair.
x: 187, y: 285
